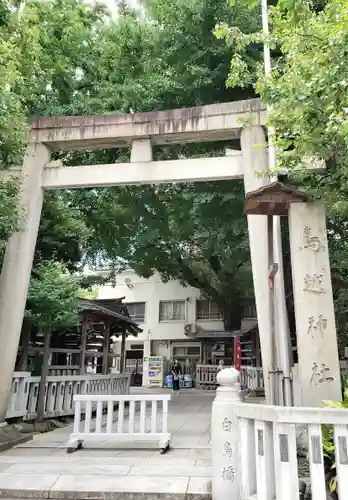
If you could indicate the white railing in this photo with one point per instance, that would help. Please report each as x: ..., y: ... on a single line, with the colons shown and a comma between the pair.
x: 251, y: 377
x: 206, y: 376
x: 59, y: 393
x: 19, y: 395
x: 268, y: 455
x: 255, y: 454
x: 142, y: 423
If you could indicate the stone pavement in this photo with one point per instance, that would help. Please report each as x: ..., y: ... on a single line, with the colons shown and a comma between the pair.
x: 41, y: 468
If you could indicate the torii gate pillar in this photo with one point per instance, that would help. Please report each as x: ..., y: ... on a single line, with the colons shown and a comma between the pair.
x: 318, y: 368
x: 255, y: 164
x: 16, y: 269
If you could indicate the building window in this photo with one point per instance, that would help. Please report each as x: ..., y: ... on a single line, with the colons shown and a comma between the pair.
x: 172, y: 310
x: 207, y: 310
x: 136, y: 311
x: 194, y: 351
x: 181, y: 352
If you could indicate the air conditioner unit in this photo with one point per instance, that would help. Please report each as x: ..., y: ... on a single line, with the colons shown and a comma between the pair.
x: 128, y: 283
x: 190, y: 329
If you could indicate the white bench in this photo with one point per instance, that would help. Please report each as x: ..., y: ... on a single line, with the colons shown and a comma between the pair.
x: 148, y: 424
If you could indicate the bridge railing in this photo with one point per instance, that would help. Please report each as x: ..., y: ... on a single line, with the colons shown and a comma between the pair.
x: 269, y: 458
x: 59, y: 393
x: 17, y: 406
x: 255, y: 448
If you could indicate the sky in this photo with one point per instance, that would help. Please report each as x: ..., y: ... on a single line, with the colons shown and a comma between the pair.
x: 112, y: 4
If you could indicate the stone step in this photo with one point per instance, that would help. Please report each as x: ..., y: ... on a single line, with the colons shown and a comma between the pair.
x: 78, y: 468
x: 105, y: 486
x: 185, y: 457
x: 183, y: 443
x: 77, y: 477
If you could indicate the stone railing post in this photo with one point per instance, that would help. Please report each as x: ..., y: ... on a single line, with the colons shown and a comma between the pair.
x: 225, y: 437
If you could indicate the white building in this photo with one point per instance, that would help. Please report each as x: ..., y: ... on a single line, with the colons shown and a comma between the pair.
x: 176, y: 322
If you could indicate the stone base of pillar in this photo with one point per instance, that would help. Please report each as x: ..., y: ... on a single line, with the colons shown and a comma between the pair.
x: 10, y: 436
x: 225, y: 437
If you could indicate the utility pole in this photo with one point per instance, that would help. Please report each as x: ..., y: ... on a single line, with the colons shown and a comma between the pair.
x: 281, y: 334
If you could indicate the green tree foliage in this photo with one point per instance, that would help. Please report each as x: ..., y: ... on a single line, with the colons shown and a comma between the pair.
x: 63, y: 234
x: 192, y: 232
x: 38, y: 44
x: 51, y: 304
x: 9, y: 212
x: 70, y: 33
x: 306, y: 91
x: 165, y: 59
x: 13, y: 120
x: 52, y: 298
x: 81, y: 61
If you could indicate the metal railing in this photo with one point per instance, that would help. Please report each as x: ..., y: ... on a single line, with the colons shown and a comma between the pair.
x: 251, y: 377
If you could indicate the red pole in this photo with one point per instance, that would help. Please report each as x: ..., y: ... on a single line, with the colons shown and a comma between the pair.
x: 237, y: 354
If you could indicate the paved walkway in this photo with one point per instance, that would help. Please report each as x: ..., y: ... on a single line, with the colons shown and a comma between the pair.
x: 41, y: 468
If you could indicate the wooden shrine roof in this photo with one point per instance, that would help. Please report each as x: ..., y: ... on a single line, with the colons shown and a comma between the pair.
x: 273, y: 199
x: 114, y: 304
x: 94, y: 306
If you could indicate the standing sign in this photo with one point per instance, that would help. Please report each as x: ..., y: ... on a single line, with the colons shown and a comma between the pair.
x: 237, y: 354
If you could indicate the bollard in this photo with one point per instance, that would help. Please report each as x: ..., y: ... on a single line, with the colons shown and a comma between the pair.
x: 225, y: 437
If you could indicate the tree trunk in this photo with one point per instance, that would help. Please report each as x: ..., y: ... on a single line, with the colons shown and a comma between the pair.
x: 25, y: 343
x: 123, y: 353
x: 84, y: 327
x: 106, y: 349
x: 44, y: 373
x: 232, y: 315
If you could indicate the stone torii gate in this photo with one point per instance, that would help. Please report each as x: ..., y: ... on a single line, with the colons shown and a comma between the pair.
x: 140, y: 131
